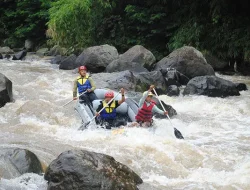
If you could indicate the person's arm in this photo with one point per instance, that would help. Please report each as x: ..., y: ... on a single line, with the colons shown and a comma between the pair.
x: 123, y: 97
x: 99, y: 108
x: 157, y: 110
x: 142, y: 100
x: 93, y: 87
x: 75, y: 89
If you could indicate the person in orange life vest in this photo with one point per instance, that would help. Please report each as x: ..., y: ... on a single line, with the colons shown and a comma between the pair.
x: 146, y: 108
x: 84, y: 83
x: 108, y: 115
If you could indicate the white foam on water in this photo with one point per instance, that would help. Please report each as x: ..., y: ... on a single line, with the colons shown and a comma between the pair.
x: 25, y: 182
x: 213, y: 155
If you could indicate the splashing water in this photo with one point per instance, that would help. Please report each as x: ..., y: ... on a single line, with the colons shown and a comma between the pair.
x: 214, y: 154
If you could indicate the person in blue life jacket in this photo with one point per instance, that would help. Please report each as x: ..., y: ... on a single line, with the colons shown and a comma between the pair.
x: 108, y: 116
x: 146, y: 109
x: 84, y: 83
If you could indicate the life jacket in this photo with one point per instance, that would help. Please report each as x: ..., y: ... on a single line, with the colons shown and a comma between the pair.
x: 145, y: 113
x: 109, y: 112
x: 83, y: 84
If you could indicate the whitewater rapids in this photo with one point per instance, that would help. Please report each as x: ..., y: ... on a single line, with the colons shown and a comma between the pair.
x: 214, y: 154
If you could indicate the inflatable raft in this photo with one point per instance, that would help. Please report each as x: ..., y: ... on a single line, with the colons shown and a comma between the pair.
x: 126, y: 111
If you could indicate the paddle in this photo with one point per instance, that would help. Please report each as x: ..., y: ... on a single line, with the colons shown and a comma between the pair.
x: 176, y: 132
x: 85, y: 125
x: 73, y: 99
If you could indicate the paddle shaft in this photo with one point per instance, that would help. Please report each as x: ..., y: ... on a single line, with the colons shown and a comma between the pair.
x: 73, y: 99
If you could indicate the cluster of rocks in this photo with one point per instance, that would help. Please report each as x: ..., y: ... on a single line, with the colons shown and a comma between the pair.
x: 138, y: 69
x: 73, y: 169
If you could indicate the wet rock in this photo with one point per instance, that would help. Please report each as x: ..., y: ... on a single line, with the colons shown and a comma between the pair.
x: 138, y: 54
x: 29, y: 44
x: 68, y: 63
x: 172, y: 77
x: 15, y: 162
x: 120, y: 65
x: 216, y: 63
x: 145, y: 79
x: 211, y: 86
x: 42, y: 52
x: 7, y: 56
x: 6, y: 50
x: 171, y: 111
x: 97, y: 58
x: 5, y: 90
x: 189, y: 63
x: 20, y: 55
x: 57, y: 59
x: 1, y: 56
x: 173, y: 90
x: 57, y: 50
x: 241, y: 86
x: 81, y: 169
x: 124, y: 79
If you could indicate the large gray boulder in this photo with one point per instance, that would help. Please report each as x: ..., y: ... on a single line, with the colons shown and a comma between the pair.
x: 211, y: 86
x: 68, y: 63
x: 188, y: 62
x: 120, y: 65
x: 42, y: 52
x: 216, y: 63
x: 124, y: 79
x: 145, y: 79
x: 81, y: 169
x: 5, y: 90
x: 138, y: 54
x: 20, y: 55
x: 14, y: 162
x: 6, y: 50
x: 97, y: 58
x: 57, y: 50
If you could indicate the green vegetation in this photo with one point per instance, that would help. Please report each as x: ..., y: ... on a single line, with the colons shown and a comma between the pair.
x: 219, y: 27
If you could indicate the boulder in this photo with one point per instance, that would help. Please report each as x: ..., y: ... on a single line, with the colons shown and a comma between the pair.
x: 6, y: 50
x: 138, y: 54
x: 117, y: 65
x: 20, y: 55
x: 5, y: 90
x: 68, y: 63
x: 57, y: 59
x: 14, y: 162
x: 1, y: 56
x: 124, y: 79
x: 173, y: 90
x: 42, y: 52
x: 31, y: 56
x: 57, y: 50
x: 29, y: 44
x: 171, y: 111
x: 7, y: 56
x: 145, y: 79
x: 211, y: 86
x: 172, y: 77
x: 241, y: 86
x: 97, y: 58
x: 81, y: 169
x: 188, y: 62
x: 216, y: 63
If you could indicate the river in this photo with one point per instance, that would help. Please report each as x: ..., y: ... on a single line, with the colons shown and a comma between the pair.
x: 214, y: 154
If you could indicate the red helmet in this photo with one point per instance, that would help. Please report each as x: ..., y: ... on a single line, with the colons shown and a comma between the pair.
x: 109, y: 94
x: 82, y: 68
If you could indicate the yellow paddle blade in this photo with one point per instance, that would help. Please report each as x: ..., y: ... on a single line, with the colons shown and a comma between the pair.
x: 118, y: 131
